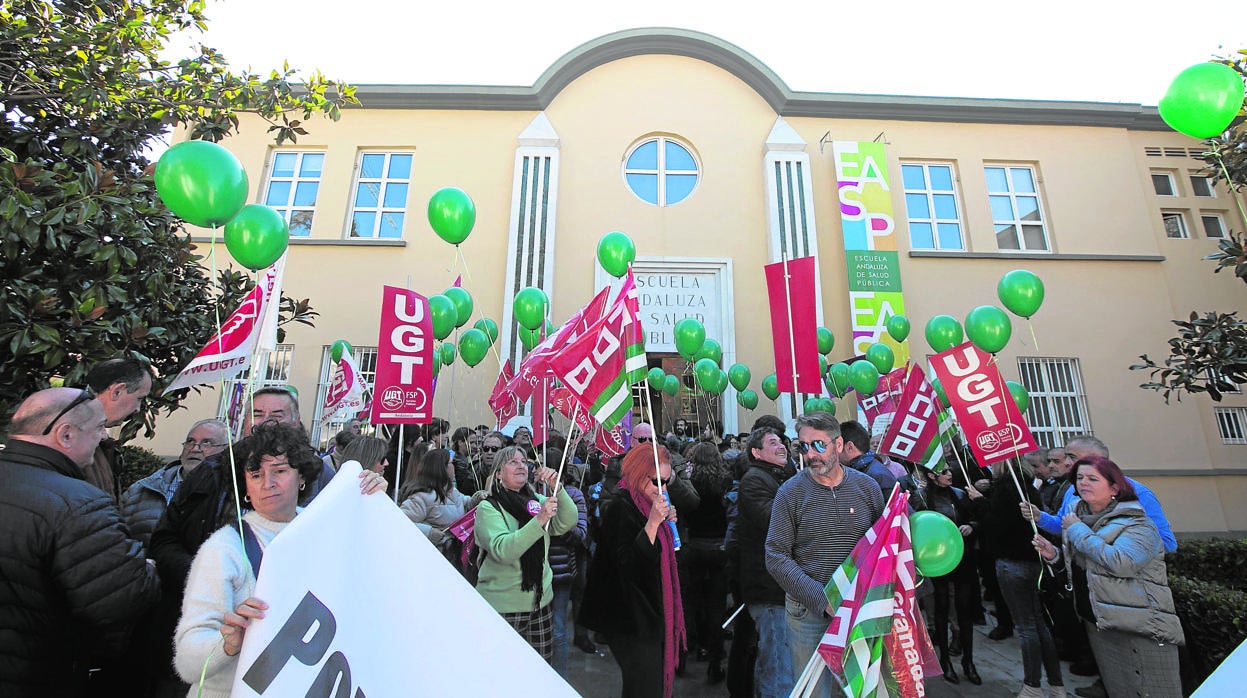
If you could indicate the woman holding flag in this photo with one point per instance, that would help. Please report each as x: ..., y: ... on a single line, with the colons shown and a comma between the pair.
x: 633, y: 593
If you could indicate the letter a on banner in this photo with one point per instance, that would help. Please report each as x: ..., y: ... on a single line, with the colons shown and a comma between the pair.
x: 989, y: 418
x: 403, y: 387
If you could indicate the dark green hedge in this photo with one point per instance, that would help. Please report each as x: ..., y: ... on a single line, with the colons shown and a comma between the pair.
x: 1214, y: 620
x: 137, y: 463
x: 1220, y: 561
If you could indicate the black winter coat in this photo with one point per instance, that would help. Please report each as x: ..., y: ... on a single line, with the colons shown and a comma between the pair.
x: 755, y: 496
x: 71, y: 578
x: 624, y: 593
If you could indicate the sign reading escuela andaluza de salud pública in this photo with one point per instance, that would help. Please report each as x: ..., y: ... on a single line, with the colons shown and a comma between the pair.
x: 403, y: 385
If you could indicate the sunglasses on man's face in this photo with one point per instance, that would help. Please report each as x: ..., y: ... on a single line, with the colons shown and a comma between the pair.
x: 643, y: 439
x: 819, y: 445
x: 85, y: 396
x: 491, y: 449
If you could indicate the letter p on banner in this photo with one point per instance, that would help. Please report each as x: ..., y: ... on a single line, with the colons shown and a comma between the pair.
x: 990, y: 420
x: 403, y: 388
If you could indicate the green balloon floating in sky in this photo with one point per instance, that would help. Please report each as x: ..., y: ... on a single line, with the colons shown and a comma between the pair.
x: 452, y: 214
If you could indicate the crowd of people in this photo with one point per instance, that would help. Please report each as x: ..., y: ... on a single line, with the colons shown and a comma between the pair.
x: 692, y: 547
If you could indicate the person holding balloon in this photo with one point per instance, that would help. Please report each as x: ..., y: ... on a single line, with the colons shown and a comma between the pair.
x: 953, y: 502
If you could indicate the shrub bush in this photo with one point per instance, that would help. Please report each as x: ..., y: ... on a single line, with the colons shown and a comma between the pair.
x: 137, y: 463
x: 1220, y: 561
x: 1214, y: 620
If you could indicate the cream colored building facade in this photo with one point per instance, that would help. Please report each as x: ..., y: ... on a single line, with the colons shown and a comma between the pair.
x: 553, y: 167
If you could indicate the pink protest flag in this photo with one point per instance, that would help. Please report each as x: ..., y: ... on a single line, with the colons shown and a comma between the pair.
x: 985, y: 410
x: 458, y: 281
x: 501, y: 400
x: 886, y: 396
x: 916, y: 420
x: 346, y: 390
x: 404, y: 385
x: 790, y: 288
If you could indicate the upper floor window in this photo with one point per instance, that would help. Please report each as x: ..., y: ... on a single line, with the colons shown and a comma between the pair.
x: 931, y: 206
x: 1163, y: 184
x: 661, y: 171
x: 1202, y: 186
x: 293, y: 184
x: 1214, y: 225
x: 1016, y: 211
x: 381, y: 184
x: 1175, y: 224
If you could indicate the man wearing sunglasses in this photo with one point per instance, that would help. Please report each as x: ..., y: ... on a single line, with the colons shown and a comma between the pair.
x: 74, y: 578
x: 817, y: 518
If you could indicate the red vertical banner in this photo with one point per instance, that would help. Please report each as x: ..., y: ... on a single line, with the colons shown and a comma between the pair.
x: 790, y: 288
x: 989, y: 418
x: 403, y: 387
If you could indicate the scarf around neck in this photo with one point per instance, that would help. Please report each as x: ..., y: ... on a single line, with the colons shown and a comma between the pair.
x: 1084, y: 513
x: 532, y: 562
x: 674, y: 637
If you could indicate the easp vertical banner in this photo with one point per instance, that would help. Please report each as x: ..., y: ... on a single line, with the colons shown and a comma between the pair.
x: 870, y: 250
x: 403, y: 386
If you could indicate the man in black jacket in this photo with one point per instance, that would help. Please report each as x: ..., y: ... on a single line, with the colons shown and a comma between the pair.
x: 768, y: 468
x: 71, y: 578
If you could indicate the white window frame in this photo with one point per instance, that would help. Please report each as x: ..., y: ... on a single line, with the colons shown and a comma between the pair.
x: 1231, y: 425
x: 288, y: 210
x: 1173, y: 183
x: 277, y: 365
x: 1058, y: 398
x: 1016, y: 222
x: 930, y: 192
x: 380, y: 182
x: 662, y: 172
x: 366, y: 359
x: 1212, y: 189
x: 1203, y: 221
x: 1183, y: 230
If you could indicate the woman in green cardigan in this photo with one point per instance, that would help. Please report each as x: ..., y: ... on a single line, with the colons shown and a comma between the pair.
x: 511, y: 531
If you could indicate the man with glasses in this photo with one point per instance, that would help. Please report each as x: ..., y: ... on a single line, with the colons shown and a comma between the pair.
x: 145, y: 501
x: 817, y: 518
x: 121, y: 386
x: 74, y: 579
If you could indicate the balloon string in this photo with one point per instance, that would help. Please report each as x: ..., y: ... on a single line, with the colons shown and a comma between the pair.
x: 1034, y: 339
x: 1226, y: 173
x: 229, y: 433
x: 460, y: 258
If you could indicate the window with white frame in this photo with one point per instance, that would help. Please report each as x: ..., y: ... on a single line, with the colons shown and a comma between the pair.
x: 1222, y: 384
x: 382, y: 181
x: 661, y: 171
x: 1202, y: 186
x: 1175, y: 224
x: 276, y: 373
x: 931, y: 206
x: 323, y: 432
x: 1214, y: 225
x: 1058, y: 408
x: 292, y: 188
x: 1013, y: 193
x: 1231, y: 424
x: 1163, y: 183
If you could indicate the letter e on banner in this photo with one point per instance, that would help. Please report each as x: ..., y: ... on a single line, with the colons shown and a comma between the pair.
x: 403, y: 388
x: 989, y: 418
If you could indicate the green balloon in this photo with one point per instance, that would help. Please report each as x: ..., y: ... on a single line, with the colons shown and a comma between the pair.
x: 939, y: 391
x: 530, y: 307
x: 881, y: 356
x: 747, y: 399
x: 202, y: 183
x: 937, y: 543
x: 655, y: 378
x: 1021, y: 292
x: 864, y: 377
x: 989, y: 328
x: 826, y: 405
x: 671, y: 385
x: 1202, y: 100
x: 838, y: 373
x: 1020, y: 397
x: 811, y: 405
x: 257, y: 236
x: 436, y: 364
x: 442, y: 312
x: 529, y: 338
x: 710, y: 349
x: 473, y: 346
x: 944, y: 332
x: 822, y: 365
x: 770, y: 387
x: 720, y: 382
x: 826, y: 340
x: 739, y: 376
x: 616, y: 253
x: 447, y: 353
x: 706, y: 372
x: 898, y: 327
x: 463, y: 304
x: 338, y: 349
x: 690, y: 335
x: 489, y: 327
x: 452, y: 214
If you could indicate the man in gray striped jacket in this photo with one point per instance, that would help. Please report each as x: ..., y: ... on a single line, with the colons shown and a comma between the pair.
x: 817, y: 518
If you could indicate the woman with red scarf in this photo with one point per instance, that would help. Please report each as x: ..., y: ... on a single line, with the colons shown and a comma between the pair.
x: 633, y: 593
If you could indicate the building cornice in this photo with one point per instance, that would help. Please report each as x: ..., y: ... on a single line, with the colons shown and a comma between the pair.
x: 764, y: 81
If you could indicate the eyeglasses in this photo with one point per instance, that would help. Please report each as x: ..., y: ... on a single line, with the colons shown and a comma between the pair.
x: 819, y: 445
x: 660, y: 483
x: 1055, y: 460
x: 85, y: 396
x: 642, y: 439
x: 191, y: 445
x: 491, y: 449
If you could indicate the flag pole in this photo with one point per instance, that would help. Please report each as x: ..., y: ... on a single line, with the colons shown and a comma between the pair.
x: 792, y: 342
x: 398, y: 463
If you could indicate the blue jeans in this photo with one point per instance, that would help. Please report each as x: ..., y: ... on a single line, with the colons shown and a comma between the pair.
x: 1019, y: 584
x: 773, y: 670
x: 560, y: 606
x: 805, y: 631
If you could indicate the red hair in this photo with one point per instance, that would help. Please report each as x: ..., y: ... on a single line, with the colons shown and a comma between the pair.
x: 638, y: 465
x: 1109, y: 471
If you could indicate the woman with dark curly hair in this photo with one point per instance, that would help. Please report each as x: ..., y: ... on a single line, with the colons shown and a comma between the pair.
x: 272, y: 467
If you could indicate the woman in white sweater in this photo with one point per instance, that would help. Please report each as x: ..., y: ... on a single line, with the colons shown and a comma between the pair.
x: 272, y: 467
x: 429, y: 497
